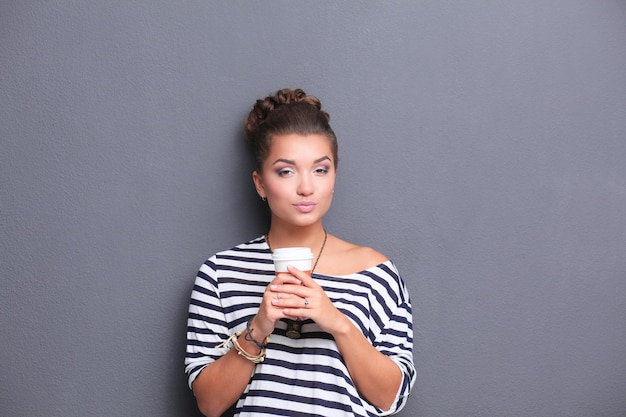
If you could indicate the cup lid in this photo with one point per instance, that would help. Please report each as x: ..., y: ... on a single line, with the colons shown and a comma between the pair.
x: 292, y: 253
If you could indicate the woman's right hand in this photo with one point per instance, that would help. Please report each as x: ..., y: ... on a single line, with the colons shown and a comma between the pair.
x: 265, y: 320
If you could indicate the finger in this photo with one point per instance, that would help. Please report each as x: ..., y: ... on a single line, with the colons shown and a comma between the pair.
x: 285, y: 299
x: 305, y: 277
x: 302, y: 303
x: 297, y: 312
x: 286, y: 278
x: 293, y: 306
x: 289, y: 291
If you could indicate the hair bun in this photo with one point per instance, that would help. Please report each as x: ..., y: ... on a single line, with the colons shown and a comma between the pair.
x: 264, y: 107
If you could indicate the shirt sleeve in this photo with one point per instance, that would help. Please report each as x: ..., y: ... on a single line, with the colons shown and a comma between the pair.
x: 206, y: 322
x: 396, y: 338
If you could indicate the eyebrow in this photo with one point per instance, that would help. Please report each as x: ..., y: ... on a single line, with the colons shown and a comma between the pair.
x: 291, y: 162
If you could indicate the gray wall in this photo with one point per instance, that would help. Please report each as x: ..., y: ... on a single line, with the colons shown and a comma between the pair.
x: 483, y: 148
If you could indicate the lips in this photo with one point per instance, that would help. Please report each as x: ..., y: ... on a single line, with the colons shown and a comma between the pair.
x: 305, y: 206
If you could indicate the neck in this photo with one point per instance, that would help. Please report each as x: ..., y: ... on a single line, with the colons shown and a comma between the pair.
x: 309, y: 236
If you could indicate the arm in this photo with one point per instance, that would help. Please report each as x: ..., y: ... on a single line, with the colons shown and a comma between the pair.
x: 376, y: 376
x: 226, y: 374
x: 222, y: 382
x: 381, y: 368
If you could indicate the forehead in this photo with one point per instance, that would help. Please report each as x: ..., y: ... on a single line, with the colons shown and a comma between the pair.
x: 299, y: 147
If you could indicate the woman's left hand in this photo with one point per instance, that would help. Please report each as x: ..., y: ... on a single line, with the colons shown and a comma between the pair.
x: 308, y: 301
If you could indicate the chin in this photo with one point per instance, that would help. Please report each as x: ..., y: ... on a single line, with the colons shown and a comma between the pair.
x: 305, y: 220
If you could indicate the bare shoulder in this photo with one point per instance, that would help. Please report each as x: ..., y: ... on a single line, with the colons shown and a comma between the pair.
x: 345, y: 258
x: 367, y: 257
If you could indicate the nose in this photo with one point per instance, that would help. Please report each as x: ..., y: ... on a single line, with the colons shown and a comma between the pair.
x: 305, y: 186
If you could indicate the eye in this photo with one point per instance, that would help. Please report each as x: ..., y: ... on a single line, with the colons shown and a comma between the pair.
x: 321, y: 170
x: 284, y: 172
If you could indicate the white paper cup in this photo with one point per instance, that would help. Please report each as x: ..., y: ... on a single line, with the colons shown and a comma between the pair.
x: 300, y: 258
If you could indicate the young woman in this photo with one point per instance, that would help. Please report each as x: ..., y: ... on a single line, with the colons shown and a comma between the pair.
x: 353, y: 356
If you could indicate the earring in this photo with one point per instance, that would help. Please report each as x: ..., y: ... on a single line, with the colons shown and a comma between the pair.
x: 264, y: 199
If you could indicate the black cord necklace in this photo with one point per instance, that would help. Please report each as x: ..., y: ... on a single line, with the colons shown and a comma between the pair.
x: 294, y: 326
x: 319, y: 255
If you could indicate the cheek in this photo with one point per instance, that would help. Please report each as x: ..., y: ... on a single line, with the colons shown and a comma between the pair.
x: 331, y: 182
x: 276, y: 188
x: 329, y: 188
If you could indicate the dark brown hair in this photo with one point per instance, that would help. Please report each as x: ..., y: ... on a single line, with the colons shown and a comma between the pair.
x: 286, y: 112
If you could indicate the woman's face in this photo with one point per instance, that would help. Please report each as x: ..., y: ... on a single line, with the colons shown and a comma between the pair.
x: 297, y: 178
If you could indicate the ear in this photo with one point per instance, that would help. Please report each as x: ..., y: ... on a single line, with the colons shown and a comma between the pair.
x: 258, y: 184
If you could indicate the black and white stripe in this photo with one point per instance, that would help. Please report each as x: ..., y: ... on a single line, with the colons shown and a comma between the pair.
x: 306, y: 376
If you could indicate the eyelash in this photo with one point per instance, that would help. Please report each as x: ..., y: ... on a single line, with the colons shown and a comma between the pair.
x: 284, y: 172
x: 288, y: 171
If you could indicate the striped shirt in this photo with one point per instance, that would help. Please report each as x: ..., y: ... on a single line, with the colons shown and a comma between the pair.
x: 306, y: 376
